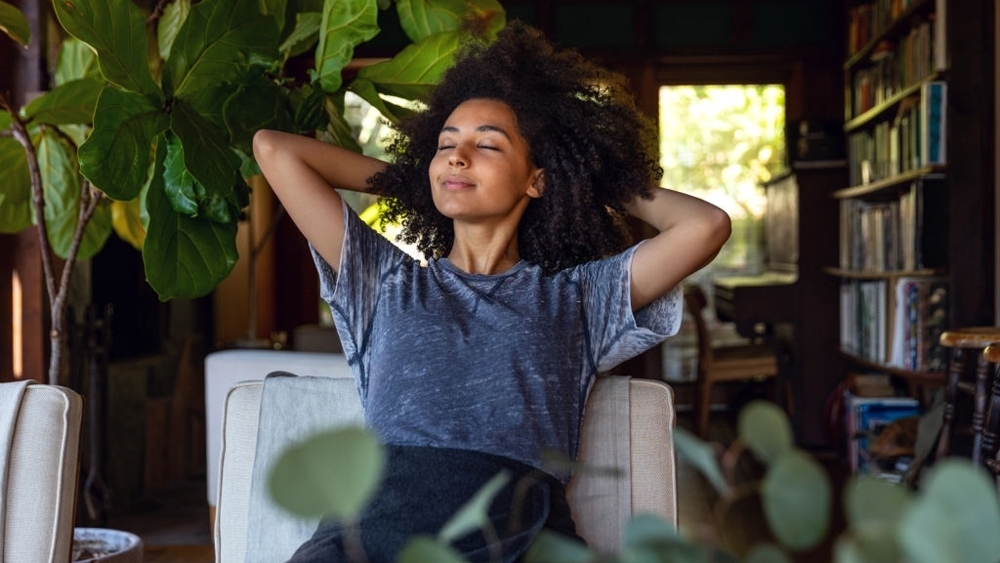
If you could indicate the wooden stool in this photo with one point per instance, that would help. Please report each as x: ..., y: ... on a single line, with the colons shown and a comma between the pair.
x: 991, y: 429
x: 959, y: 340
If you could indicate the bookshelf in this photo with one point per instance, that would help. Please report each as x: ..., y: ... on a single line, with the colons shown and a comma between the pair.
x: 893, y: 266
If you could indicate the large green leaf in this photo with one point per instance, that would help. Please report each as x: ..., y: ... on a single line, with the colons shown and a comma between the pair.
x: 955, y: 519
x: 14, y: 24
x: 337, y: 126
x: 796, y: 496
x: 208, y: 158
x: 76, y: 60
x: 422, y: 18
x: 333, y: 472
x: 765, y: 429
x: 116, y: 30
x: 276, y: 9
x: 182, y: 190
x: 117, y: 154
x: 308, y: 107
x: 61, y: 185
x: 15, y: 188
x: 345, y: 24
x: 169, y: 25
x: 69, y: 103
x: 304, y: 36
x: 254, y: 105
x: 366, y: 90
x: 183, y: 257
x: 417, y: 68
x: 5, y: 120
x: 218, y: 42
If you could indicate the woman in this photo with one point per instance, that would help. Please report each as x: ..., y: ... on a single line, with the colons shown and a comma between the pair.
x: 514, y: 183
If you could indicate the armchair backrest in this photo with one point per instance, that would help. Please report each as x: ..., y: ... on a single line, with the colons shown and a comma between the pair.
x: 41, y: 429
x: 628, y: 426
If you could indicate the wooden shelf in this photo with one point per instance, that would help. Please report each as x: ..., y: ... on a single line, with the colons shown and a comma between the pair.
x: 921, y: 377
x: 895, y: 29
x: 935, y: 171
x: 863, y: 119
x: 886, y: 275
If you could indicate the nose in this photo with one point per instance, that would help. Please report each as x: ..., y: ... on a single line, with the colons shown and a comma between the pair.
x: 456, y: 158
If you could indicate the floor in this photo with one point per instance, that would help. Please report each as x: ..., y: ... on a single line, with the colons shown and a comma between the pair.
x: 174, y: 522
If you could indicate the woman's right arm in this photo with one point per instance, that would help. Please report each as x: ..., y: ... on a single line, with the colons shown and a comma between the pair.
x: 303, y: 173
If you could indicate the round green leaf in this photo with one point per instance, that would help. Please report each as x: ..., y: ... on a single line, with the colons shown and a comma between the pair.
x: 304, y: 36
x: 765, y: 429
x: 253, y: 105
x: 422, y: 18
x: 702, y: 456
x: 796, y: 496
x: 14, y: 24
x: 549, y: 546
x: 868, y: 499
x: 332, y: 473
x: 647, y: 529
x: 767, y: 553
x: 955, y: 518
x: 423, y: 550
x: 474, y: 514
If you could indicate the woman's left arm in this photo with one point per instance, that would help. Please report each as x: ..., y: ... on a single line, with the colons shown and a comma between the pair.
x: 691, y: 233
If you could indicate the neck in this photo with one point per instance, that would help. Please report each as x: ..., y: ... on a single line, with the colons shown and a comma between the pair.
x: 479, y: 252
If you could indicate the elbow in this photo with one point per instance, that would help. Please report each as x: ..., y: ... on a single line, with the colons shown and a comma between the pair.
x: 264, y: 144
x: 719, y: 227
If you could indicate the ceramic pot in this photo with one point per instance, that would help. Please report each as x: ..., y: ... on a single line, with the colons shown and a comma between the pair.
x: 101, y: 545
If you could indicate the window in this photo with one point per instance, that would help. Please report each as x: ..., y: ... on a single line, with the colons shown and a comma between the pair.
x: 721, y: 143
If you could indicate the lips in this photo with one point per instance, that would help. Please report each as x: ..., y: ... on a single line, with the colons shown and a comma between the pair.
x: 456, y: 183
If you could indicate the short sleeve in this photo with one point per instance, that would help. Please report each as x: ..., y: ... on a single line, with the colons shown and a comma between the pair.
x: 366, y: 258
x: 616, y: 333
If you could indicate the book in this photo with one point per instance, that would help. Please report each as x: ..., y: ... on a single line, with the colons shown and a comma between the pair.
x: 866, y: 418
x: 933, y: 118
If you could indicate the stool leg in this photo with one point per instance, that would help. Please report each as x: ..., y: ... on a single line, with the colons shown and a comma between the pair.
x: 992, y: 425
x: 954, y: 371
x: 979, y: 410
x: 704, y: 402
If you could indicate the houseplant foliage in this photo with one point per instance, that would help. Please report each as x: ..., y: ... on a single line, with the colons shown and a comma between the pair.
x: 952, y: 517
x: 147, y: 127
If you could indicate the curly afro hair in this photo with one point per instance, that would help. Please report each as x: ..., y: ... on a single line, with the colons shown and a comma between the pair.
x: 597, y: 150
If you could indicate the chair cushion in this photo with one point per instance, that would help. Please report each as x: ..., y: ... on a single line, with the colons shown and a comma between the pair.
x: 42, y: 476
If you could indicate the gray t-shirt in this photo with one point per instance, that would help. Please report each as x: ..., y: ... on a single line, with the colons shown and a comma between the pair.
x: 500, y: 364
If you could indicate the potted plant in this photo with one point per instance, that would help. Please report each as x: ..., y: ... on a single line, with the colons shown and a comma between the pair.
x: 146, y: 129
x: 952, y: 516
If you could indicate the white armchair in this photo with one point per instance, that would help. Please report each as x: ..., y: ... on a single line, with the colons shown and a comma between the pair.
x: 628, y: 425
x: 40, y: 425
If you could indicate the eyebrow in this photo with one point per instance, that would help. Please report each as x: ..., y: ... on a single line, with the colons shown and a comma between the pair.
x: 481, y: 129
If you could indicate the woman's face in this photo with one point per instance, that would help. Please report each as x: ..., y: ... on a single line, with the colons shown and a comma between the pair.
x: 481, y: 171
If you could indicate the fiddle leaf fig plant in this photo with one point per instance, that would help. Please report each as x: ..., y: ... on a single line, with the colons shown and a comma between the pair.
x: 147, y: 127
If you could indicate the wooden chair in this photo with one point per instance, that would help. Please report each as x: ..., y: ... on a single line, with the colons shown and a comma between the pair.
x: 991, y: 427
x: 959, y: 341
x: 753, y: 361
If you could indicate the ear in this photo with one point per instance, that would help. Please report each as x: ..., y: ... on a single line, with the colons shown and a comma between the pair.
x: 537, y: 186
